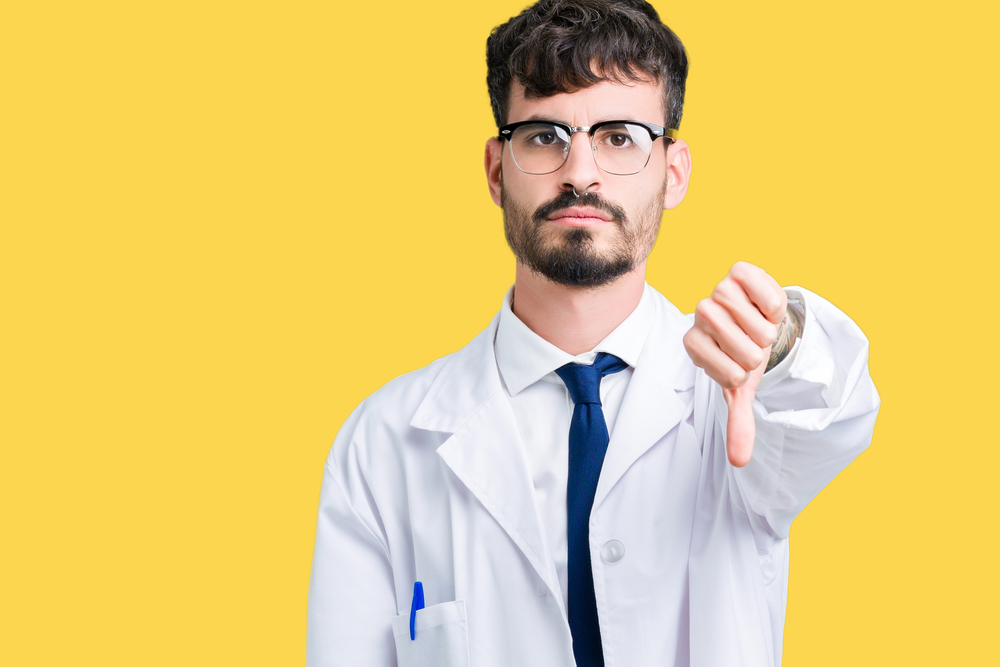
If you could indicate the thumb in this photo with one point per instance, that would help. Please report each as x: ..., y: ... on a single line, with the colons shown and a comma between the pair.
x: 741, y: 430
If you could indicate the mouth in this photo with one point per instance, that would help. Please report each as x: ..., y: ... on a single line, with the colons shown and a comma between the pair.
x: 579, y: 216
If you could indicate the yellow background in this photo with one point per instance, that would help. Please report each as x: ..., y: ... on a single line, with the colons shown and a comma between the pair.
x: 224, y: 224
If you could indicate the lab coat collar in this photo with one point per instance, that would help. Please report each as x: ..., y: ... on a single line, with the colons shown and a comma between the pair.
x: 468, y: 380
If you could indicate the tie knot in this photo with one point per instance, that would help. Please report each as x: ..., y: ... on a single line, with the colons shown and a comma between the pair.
x: 584, y: 382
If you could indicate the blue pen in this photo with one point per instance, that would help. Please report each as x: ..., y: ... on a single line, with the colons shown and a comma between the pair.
x: 418, y: 603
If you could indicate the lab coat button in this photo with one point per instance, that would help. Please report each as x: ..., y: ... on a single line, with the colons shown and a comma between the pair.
x: 612, y: 551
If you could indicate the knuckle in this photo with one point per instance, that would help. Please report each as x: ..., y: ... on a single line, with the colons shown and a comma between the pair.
x: 735, y: 379
x: 724, y: 291
x: 782, y: 300
x: 773, y: 307
x: 693, y: 345
x: 743, y: 269
x: 770, y: 333
x: 706, y: 311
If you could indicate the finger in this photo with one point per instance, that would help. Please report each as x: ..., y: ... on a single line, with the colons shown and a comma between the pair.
x: 763, y: 291
x: 740, y: 429
x: 731, y: 296
x: 706, y: 354
x: 719, y: 324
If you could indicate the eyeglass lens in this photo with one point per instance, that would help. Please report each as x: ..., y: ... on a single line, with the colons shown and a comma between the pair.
x: 620, y: 148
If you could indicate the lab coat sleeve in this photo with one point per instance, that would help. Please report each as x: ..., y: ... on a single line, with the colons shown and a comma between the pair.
x: 813, y: 415
x: 351, y: 593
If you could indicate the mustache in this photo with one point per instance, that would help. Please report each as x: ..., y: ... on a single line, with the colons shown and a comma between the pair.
x: 568, y: 199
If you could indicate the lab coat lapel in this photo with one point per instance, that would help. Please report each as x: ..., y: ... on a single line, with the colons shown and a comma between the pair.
x: 484, y: 451
x: 651, y: 407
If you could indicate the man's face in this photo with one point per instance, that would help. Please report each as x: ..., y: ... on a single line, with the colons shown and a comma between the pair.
x: 609, y: 229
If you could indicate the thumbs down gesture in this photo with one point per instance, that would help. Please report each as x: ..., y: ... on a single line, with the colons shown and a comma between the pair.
x: 742, y: 330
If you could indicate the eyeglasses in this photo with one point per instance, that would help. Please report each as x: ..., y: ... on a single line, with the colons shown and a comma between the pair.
x: 620, y: 147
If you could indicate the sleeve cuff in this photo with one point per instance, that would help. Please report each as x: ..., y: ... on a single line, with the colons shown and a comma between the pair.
x: 783, y: 369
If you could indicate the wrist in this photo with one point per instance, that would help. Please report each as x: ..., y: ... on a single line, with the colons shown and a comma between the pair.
x: 789, y: 329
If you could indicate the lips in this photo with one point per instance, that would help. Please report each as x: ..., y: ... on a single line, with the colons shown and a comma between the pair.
x: 580, y: 216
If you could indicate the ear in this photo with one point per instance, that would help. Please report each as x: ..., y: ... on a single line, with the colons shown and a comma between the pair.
x: 494, y: 154
x: 678, y: 173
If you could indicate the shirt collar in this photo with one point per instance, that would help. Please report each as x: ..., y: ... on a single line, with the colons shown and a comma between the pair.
x: 524, y: 357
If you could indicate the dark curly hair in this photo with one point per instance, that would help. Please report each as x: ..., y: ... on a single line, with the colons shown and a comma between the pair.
x: 558, y: 46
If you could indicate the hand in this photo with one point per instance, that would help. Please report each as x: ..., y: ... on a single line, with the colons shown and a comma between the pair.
x: 731, y: 339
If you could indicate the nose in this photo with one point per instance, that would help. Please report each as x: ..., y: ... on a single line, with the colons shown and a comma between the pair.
x: 580, y: 172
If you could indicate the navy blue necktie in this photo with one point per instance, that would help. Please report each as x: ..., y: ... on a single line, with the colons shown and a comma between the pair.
x: 588, y: 442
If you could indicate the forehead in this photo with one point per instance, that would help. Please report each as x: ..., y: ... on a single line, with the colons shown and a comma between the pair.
x: 607, y: 100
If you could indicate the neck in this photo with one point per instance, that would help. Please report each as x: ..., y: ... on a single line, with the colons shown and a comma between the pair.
x: 573, y: 319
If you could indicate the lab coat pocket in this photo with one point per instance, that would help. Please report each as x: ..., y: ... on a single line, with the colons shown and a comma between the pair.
x: 442, y: 637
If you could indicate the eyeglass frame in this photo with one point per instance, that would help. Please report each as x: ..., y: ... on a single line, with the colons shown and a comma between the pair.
x: 655, y: 132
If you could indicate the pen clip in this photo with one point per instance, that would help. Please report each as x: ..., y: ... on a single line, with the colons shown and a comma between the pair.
x: 418, y: 603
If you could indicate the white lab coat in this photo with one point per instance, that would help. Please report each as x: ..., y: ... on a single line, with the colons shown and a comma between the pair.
x: 427, y: 481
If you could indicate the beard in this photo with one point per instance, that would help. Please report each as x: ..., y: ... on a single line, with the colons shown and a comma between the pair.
x: 568, y: 256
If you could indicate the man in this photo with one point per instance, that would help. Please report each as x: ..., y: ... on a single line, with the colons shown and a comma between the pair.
x: 596, y: 479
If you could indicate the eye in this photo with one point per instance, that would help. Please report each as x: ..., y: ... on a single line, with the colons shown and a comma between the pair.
x: 619, y: 140
x: 618, y: 136
x: 543, y: 138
